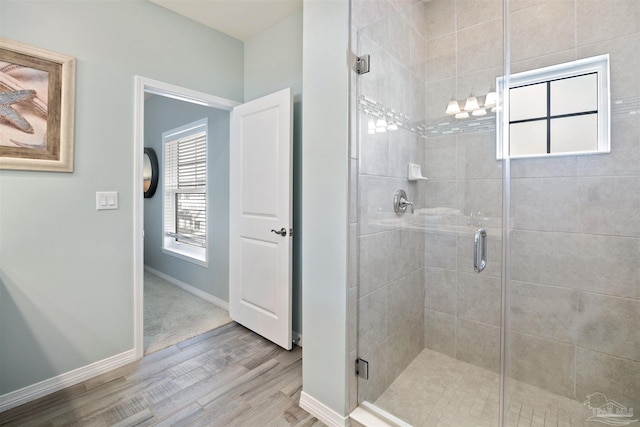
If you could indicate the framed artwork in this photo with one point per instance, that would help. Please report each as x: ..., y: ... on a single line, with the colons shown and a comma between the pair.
x: 37, y: 94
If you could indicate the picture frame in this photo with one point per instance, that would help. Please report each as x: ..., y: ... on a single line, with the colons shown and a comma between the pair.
x: 37, y: 97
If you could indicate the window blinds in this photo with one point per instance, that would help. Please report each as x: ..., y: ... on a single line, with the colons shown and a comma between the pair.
x: 185, y: 189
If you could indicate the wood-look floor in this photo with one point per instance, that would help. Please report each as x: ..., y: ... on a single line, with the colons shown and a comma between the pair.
x: 226, y: 377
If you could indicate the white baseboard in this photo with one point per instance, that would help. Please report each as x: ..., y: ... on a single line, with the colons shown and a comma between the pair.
x: 191, y: 289
x: 322, y: 412
x: 35, y: 391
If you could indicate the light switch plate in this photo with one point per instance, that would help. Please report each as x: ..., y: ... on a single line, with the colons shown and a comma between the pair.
x: 106, y: 200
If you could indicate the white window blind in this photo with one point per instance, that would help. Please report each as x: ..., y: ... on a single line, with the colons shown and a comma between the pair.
x: 185, y: 190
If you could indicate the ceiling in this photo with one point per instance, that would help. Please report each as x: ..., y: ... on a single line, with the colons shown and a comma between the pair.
x: 241, y: 19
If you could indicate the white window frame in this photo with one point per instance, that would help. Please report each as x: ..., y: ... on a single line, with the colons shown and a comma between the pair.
x: 597, y: 64
x: 170, y: 245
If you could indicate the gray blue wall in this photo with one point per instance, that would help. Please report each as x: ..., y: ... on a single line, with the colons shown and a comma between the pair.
x: 325, y: 158
x: 163, y: 114
x: 66, y: 291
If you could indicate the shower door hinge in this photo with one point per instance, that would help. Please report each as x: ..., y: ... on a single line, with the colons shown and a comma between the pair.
x: 362, y: 64
x: 362, y: 368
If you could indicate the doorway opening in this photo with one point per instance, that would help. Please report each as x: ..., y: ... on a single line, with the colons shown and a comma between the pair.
x: 173, y: 295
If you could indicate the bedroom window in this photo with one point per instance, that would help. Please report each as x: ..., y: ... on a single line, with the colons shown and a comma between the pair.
x: 185, y: 192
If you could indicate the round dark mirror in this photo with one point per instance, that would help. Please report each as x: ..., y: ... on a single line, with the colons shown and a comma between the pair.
x: 150, y: 172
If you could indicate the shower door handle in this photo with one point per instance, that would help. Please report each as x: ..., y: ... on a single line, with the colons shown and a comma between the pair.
x: 480, y: 250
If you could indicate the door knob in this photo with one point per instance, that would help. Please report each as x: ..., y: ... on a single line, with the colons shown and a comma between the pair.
x: 282, y: 232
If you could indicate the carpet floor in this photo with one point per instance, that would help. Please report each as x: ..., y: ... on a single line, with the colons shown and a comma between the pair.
x: 172, y: 315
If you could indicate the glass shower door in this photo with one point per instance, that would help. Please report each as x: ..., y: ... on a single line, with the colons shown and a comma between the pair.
x: 574, y: 291
x: 429, y: 325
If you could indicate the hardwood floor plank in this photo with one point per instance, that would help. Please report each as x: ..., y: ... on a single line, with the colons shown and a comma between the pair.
x: 292, y: 416
x: 267, y: 387
x: 196, y: 391
x: 141, y: 418
x: 154, y: 393
x: 261, y: 357
x: 267, y: 409
x: 46, y: 403
x: 183, y: 417
x: 222, y: 414
x: 221, y: 378
x: 225, y: 329
x: 237, y: 387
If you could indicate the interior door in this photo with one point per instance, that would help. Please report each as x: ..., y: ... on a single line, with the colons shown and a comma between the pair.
x: 261, y: 216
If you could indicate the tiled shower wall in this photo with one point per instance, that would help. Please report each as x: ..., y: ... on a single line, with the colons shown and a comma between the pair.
x: 574, y: 248
x: 391, y: 270
x: 575, y: 244
x: 575, y: 239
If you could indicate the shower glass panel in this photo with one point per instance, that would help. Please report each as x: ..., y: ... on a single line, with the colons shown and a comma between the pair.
x: 548, y: 333
x: 573, y: 342
x: 429, y: 326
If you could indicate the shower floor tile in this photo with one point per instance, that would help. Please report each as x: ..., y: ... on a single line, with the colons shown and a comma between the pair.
x: 439, y: 391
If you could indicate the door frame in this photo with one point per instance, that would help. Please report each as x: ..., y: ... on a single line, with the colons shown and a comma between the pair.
x: 146, y: 85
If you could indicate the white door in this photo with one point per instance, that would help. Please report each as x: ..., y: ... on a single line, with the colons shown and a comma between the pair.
x: 260, y: 208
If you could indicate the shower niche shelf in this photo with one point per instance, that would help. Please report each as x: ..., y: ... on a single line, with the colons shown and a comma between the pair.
x: 414, y: 173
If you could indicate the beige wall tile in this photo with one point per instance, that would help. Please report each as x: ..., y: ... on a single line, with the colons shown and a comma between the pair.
x: 398, y: 309
x: 603, y: 264
x: 372, y: 318
x: 440, y: 157
x: 609, y: 205
x: 367, y: 12
x: 479, y: 298
x: 618, y: 379
x: 483, y: 195
x: 624, y: 158
x: 440, y: 58
x: 598, y: 20
x: 544, y: 61
x: 441, y: 288
x: 478, y: 344
x: 378, y: 374
x: 473, y: 12
x: 609, y: 325
x: 480, y: 47
x: 440, y: 250
x: 440, y: 332
x: 374, y: 266
x: 476, y: 156
x: 544, y: 311
x: 624, y: 56
x: 434, y: 18
x: 374, y: 84
x: 437, y: 97
x: 441, y: 194
x: 399, y: 42
x: 544, y: 167
x: 542, y: 363
x: 542, y: 29
x: 403, y: 148
x: 373, y: 150
x: 549, y: 204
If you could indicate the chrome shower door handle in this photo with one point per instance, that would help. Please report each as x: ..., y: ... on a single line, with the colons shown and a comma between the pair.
x: 480, y: 250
